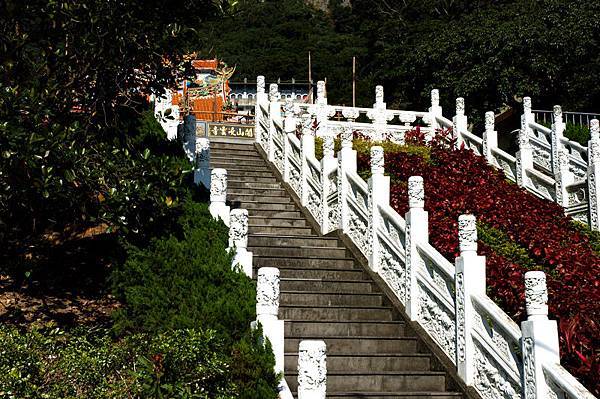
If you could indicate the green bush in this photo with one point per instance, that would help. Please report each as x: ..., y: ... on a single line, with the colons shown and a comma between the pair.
x: 52, y: 363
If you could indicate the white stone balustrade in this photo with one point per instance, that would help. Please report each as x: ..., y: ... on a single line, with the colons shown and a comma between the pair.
x: 312, y: 369
x: 593, y: 171
x: 238, y: 240
x: 218, y: 195
x: 448, y: 301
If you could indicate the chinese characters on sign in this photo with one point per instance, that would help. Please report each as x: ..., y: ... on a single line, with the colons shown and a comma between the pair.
x: 230, y: 130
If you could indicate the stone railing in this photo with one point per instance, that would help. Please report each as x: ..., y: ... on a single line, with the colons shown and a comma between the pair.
x: 547, y: 164
x: 489, y: 351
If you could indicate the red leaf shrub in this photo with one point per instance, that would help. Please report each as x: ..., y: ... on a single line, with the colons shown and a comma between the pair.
x: 459, y: 182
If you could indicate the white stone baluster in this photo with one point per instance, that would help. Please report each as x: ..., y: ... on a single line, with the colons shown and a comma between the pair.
x: 346, y: 163
x: 290, y: 124
x: 540, y: 337
x: 525, y: 154
x: 267, y: 311
x: 274, y: 117
x: 417, y: 231
x: 328, y: 164
x: 312, y: 369
x: 490, y: 138
x: 459, y: 122
x: 593, y: 171
x: 379, y: 190
x: 261, y: 100
x: 202, y: 164
x: 469, y: 280
x: 218, y: 195
x: 558, y: 128
x: 563, y: 177
x: 238, y: 240
x: 435, y: 110
x: 307, y: 149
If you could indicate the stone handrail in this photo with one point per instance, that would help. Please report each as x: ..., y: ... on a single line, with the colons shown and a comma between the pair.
x: 491, y: 354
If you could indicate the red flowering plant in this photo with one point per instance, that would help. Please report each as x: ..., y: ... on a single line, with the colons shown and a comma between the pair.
x: 459, y: 182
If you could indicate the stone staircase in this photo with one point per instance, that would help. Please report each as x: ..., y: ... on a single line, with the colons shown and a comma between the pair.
x: 326, y: 294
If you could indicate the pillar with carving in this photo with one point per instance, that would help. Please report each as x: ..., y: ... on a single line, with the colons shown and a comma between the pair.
x: 469, y: 280
x: 490, y: 139
x: 525, y: 154
x: 459, y: 122
x: 379, y: 192
x: 328, y: 164
x: 435, y: 110
x: 540, y: 337
x: 218, y: 195
x: 202, y: 163
x: 312, y: 369
x: 238, y: 240
x: 417, y: 231
x: 260, y: 105
x: 593, y: 174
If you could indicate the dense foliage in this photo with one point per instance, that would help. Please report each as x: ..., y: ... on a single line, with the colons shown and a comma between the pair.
x: 518, y: 232
x: 52, y: 363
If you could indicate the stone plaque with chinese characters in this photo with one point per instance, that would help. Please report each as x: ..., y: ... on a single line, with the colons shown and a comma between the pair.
x: 230, y: 130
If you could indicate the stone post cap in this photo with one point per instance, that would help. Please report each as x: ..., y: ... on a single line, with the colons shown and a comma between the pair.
x: 536, y: 293
x: 377, y: 160
x: 435, y: 97
x: 490, y: 118
x: 260, y: 84
x: 321, y: 89
x: 416, y: 192
x: 379, y: 94
x: 557, y: 111
x: 460, y: 106
x: 347, y: 135
x: 527, y: 104
x: 273, y: 92
x: 467, y: 233
x: 312, y: 345
x: 218, y: 172
x: 595, y: 129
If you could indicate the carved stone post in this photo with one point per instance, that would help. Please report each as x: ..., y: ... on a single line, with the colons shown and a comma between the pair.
x: 307, y: 149
x: 267, y: 310
x: 238, y: 239
x: 379, y: 190
x: 346, y: 163
x: 540, y: 337
x: 261, y: 103
x: 435, y: 110
x: 379, y: 115
x: 594, y: 175
x: 328, y: 164
x: 274, y: 118
x: 558, y: 128
x: 469, y: 280
x: 312, y: 369
x: 417, y: 231
x: 459, y: 122
x: 525, y: 154
x: 563, y: 177
x: 202, y: 164
x: 290, y: 123
x: 490, y: 138
x: 218, y: 195
x: 320, y: 109
x: 189, y: 137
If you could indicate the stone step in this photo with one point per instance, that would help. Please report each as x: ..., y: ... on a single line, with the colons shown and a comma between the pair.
x: 238, y: 179
x: 236, y: 184
x: 359, y: 345
x: 261, y: 205
x: 261, y: 229
x: 322, y: 274
x: 408, y: 381
x: 391, y: 395
x: 237, y: 143
x: 268, y: 213
x: 273, y: 192
x: 372, y: 362
x: 292, y: 284
x: 303, y: 298
x: 237, y: 161
x: 276, y: 222
x: 299, y: 251
x: 318, y: 329
x: 248, y: 174
x: 289, y: 241
x: 239, y: 167
x: 303, y: 263
x: 263, y: 199
x: 342, y: 312
x: 244, y: 151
